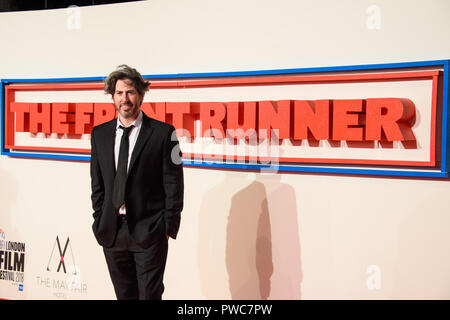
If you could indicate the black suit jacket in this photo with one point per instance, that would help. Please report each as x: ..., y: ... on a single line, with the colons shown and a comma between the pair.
x: 154, y: 190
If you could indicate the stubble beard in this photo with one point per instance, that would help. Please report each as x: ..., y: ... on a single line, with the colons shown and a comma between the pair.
x: 132, y: 113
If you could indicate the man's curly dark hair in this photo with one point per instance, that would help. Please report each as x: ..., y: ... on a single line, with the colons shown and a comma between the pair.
x: 125, y: 72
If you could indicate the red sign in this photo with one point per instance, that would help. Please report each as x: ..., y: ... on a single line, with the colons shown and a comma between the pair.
x: 363, y: 124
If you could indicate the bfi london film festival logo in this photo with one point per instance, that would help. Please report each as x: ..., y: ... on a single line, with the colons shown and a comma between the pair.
x: 63, y: 275
x: 12, y: 261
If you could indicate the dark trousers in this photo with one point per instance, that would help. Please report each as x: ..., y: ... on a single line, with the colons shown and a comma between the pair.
x: 136, y: 273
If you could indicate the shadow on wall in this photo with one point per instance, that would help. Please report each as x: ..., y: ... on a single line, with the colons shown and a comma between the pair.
x: 259, y: 241
x: 213, y: 233
x: 249, y: 244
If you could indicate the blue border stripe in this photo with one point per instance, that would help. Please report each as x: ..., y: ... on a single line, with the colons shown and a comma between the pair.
x: 315, y: 169
x: 248, y: 73
x: 2, y: 117
x: 46, y: 156
x: 445, y: 119
x: 9, y: 81
x: 262, y: 168
x: 313, y: 69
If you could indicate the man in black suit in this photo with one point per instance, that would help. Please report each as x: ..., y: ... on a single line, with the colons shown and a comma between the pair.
x: 137, y: 189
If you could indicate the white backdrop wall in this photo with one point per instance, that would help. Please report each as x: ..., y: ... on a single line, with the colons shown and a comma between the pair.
x: 243, y: 234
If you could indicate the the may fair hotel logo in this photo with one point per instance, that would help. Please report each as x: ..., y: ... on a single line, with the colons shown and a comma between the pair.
x: 12, y: 261
x: 62, y: 276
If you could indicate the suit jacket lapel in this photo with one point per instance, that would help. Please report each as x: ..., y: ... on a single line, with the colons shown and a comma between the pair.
x: 106, y: 146
x: 144, y: 135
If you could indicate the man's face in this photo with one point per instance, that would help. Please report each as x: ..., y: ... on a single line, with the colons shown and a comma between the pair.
x: 127, y: 100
